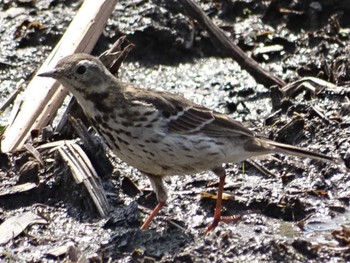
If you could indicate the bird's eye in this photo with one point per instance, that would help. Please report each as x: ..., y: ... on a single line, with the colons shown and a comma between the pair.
x: 81, y: 70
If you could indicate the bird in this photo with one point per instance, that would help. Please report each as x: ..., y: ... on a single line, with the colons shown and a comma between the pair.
x: 160, y: 133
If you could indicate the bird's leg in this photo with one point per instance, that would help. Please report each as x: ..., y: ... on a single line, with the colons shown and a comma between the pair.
x: 152, y: 215
x: 159, y: 189
x: 220, y: 171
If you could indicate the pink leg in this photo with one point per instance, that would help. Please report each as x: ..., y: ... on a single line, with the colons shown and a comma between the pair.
x: 217, y: 215
x: 152, y: 215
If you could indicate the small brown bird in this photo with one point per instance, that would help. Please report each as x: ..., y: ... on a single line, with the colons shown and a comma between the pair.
x: 161, y: 133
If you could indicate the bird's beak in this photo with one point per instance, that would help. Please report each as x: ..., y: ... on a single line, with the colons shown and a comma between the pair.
x: 55, y: 73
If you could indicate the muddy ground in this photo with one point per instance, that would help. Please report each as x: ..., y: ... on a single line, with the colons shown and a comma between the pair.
x: 295, y: 210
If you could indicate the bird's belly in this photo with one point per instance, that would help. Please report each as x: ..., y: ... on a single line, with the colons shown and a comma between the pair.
x: 161, y: 154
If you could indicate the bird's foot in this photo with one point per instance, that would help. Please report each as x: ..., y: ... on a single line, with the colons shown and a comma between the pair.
x: 225, y: 219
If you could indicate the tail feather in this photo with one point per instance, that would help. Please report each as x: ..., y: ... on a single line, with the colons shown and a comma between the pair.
x: 297, y: 151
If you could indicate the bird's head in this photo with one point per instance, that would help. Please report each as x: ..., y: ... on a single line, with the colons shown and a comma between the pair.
x: 80, y: 73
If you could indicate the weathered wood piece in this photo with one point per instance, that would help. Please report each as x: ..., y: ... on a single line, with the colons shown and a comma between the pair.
x: 84, y: 174
x: 15, y: 225
x: 93, y: 148
x: 42, y: 98
x: 224, y: 44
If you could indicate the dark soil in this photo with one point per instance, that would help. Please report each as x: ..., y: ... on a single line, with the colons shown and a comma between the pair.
x: 297, y: 210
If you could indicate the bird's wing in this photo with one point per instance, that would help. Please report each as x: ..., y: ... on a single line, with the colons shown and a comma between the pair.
x: 185, y: 117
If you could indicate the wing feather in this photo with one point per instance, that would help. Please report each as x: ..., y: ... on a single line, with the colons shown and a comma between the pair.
x: 186, y: 117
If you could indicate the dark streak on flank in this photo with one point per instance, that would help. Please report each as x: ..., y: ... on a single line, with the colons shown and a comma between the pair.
x: 143, y: 118
x: 147, y: 113
x: 126, y: 123
x: 122, y: 141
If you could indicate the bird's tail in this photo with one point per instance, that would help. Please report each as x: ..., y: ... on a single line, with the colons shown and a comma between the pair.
x: 297, y: 151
